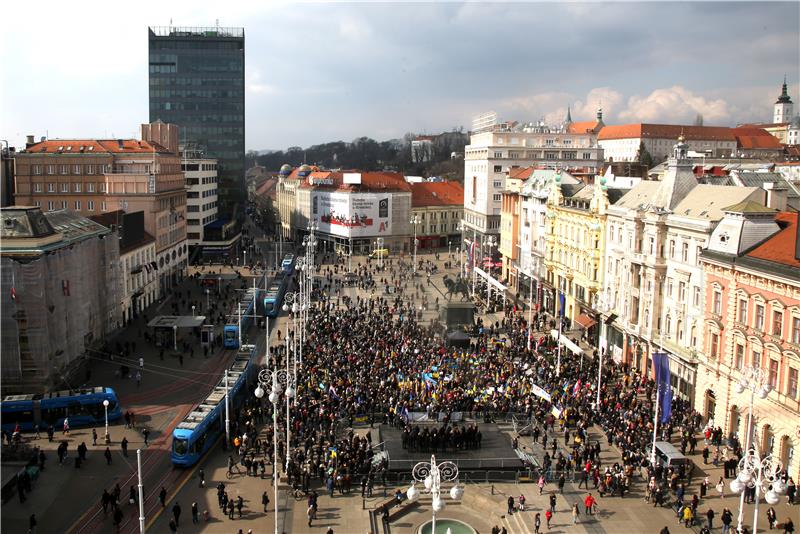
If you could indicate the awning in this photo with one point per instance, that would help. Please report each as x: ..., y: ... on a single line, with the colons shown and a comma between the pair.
x: 585, y: 321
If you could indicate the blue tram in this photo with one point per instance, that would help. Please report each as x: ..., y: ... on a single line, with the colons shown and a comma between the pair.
x: 273, y: 296
x: 200, y: 429
x: 83, y: 408
x: 287, y: 265
x: 246, y: 306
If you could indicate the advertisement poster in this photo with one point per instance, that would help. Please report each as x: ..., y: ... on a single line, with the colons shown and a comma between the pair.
x: 351, y: 215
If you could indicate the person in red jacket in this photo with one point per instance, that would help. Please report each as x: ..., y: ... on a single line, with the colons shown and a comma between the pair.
x: 589, y: 502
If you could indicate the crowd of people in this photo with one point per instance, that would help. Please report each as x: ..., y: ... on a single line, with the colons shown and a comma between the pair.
x: 372, y: 358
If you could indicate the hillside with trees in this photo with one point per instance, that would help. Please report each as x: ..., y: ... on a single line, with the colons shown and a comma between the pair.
x: 366, y: 154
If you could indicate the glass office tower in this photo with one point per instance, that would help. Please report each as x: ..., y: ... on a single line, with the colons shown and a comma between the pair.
x: 197, y: 82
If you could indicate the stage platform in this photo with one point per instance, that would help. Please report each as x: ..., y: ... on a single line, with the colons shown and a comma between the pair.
x: 495, y: 454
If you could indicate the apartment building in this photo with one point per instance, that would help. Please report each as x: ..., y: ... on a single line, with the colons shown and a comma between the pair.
x: 201, y: 193
x: 95, y: 176
x: 495, y: 149
x: 752, y: 320
x: 438, y: 207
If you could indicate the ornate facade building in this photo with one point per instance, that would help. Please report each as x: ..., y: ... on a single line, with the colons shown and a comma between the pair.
x: 752, y: 319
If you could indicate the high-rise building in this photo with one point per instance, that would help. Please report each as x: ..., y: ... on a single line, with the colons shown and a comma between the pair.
x: 197, y: 82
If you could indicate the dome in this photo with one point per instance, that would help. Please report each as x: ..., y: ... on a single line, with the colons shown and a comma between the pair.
x: 304, y: 170
x: 286, y: 170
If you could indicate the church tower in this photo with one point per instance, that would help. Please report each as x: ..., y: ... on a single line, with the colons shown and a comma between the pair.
x: 783, y: 106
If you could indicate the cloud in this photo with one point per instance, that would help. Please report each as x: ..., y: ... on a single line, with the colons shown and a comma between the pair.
x: 675, y: 104
x: 605, y: 97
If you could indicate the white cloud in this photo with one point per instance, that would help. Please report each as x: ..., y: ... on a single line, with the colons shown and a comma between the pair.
x: 604, y: 97
x: 675, y: 104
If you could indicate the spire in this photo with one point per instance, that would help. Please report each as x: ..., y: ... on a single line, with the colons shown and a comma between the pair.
x: 568, y: 120
x: 600, y: 113
x: 784, y: 98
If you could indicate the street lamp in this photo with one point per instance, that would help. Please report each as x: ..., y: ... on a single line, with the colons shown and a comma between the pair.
x: 415, y: 221
x: 175, y: 337
x: 208, y: 306
x: 754, y: 379
x: 763, y: 474
x: 105, y: 407
x: 192, y: 310
x: 490, y: 242
x: 431, y: 476
x: 268, y: 377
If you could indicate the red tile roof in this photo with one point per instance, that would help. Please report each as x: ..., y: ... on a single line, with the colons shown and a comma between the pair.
x: 268, y: 188
x: 780, y: 248
x: 424, y: 194
x: 370, y: 181
x: 520, y: 173
x: 583, y: 127
x: 73, y: 146
x: 749, y: 137
x: 665, y: 131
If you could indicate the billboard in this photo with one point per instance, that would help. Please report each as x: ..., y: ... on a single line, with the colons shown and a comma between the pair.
x: 351, y: 214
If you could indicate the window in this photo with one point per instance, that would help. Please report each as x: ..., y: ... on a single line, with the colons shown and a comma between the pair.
x: 51, y: 169
x: 103, y: 206
x: 498, y: 168
x: 717, y: 303
x: 90, y: 169
x: 90, y: 205
x: 739, y: 362
x: 759, y: 319
x: 496, y: 198
x: 65, y: 188
x: 77, y: 188
x: 685, y: 252
x: 497, y: 183
x: 76, y: 169
x: 756, y: 358
x: 742, y: 317
x: 791, y: 387
x: 773, y: 373
x: 796, y: 330
x: 652, y: 241
x: 50, y: 205
x: 672, y: 248
x: 78, y: 205
x: 777, y: 323
x: 37, y: 203
x: 681, y: 291
x: 696, y: 297
x: 64, y: 169
x: 90, y: 187
x: 714, y: 345
x: 63, y: 204
x: 37, y: 169
x: 37, y: 188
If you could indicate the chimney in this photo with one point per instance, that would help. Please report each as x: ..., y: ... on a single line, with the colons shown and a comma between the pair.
x: 777, y: 195
x: 29, y: 142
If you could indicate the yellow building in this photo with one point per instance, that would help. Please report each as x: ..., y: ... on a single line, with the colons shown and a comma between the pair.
x: 575, y: 249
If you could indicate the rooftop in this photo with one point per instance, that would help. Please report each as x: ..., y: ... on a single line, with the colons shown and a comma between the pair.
x: 666, y: 131
x: 710, y: 202
x: 196, y: 31
x: 424, y: 194
x: 780, y: 248
x: 95, y: 146
x: 27, y: 231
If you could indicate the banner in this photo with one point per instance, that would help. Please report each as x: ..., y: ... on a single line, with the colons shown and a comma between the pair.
x: 661, y: 371
x: 539, y: 392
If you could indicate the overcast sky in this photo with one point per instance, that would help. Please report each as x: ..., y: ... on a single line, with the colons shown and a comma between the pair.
x: 335, y: 71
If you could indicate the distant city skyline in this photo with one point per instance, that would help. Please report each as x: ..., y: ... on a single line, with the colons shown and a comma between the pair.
x: 334, y: 71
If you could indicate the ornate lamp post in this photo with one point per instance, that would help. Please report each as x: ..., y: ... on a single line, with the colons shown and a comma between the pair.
x: 274, y: 379
x: 415, y: 221
x: 763, y: 474
x: 432, y: 475
x: 105, y: 407
x: 754, y: 379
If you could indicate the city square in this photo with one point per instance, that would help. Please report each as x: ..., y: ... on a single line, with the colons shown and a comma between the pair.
x: 543, y: 325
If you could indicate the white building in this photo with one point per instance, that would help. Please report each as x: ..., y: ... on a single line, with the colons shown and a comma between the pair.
x: 783, y: 106
x: 201, y: 194
x: 498, y: 148
x: 622, y: 142
x: 653, y: 289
